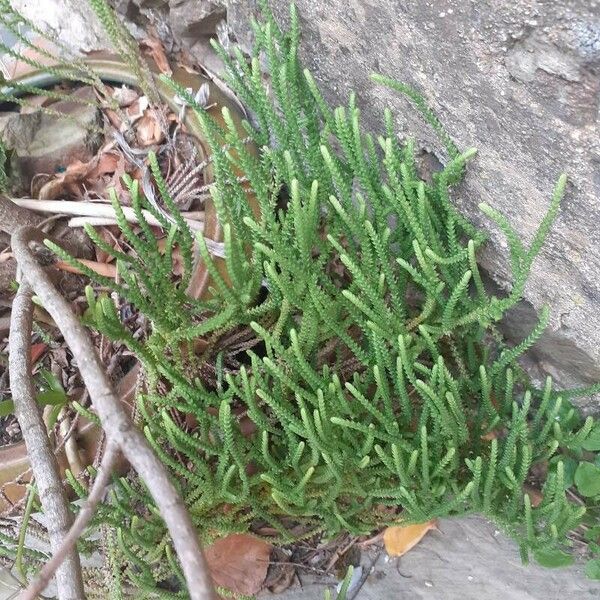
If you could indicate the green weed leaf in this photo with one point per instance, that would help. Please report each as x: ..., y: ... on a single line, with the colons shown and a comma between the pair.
x: 592, y: 568
x: 7, y: 407
x: 52, y: 398
x: 587, y: 479
x: 553, y: 558
x: 592, y: 442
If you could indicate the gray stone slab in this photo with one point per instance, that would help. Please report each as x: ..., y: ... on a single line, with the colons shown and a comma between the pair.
x: 9, y: 586
x: 468, y: 559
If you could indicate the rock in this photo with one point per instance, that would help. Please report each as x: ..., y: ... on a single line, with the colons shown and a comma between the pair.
x: 193, y: 18
x: 194, y: 23
x: 43, y: 143
x: 239, y: 16
x: 72, y: 21
x: 468, y: 559
x: 518, y: 80
x: 203, y: 53
x: 10, y: 587
x: 182, y: 25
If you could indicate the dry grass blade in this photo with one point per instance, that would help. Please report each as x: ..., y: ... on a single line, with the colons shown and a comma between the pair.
x: 92, y: 209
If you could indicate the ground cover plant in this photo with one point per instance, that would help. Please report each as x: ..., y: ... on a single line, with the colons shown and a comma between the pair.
x: 346, y: 371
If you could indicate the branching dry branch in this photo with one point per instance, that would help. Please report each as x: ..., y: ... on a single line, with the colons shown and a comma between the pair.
x: 52, y: 495
x: 12, y: 216
x: 83, y: 518
x: 117, y: 424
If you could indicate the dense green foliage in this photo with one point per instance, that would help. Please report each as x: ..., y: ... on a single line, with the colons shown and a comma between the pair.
x: 351, y: 372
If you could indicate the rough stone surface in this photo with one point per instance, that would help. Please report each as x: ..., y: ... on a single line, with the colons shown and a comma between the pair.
x: 9, y: 585
x: 73, y: 21
x: 466, y: 560
x: 518, y: 80
x: 44, y: 143
x: 193, y: 18
x: 180, y: 24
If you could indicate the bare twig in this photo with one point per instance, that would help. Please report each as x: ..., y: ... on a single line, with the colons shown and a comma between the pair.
x: 12, y: 216
x: 45, y: 468
x: 100, y: 221
x: 71, y: 447
x: 339, y: 553
x: 91, y: 209
x: 81, y: 522
x: 116, y: 422
x: 93, y: 221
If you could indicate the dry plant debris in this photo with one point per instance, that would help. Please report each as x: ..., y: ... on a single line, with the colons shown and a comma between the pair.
x: 399, y: 539
x: 65, y: 189
x: 69, y: 187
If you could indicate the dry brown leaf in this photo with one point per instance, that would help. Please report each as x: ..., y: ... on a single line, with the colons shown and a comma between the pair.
x: 137, y: 108
x: 52, y: 189
x: 535, y: 496
x: 125, y: 96
x: 106, y: 269
x: 59, y: 185
x: 37, y: 350
x: 149, y: 131
x: 59, y: 356
x: 176, y: 256
x: 104, y: 163
x: 239, y: 563
x: 108, y: 238
x: 156, y: 50
x: 400, y: 539
x: 113, y: 118
x: 80, y: 176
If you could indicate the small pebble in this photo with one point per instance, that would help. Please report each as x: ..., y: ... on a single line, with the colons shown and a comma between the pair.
x: 428, y: 584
